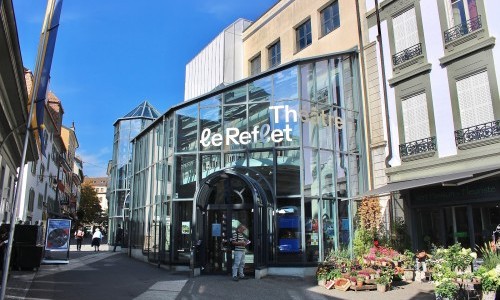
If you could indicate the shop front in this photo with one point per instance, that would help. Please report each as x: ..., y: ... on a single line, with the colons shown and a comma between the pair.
x: 280, y: 152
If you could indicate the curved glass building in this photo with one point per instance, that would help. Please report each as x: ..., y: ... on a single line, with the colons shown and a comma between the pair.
x: 280, y: 152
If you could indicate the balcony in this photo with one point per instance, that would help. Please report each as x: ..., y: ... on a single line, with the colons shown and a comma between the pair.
x: 463, y: 29
x: 478, y: 135
x: 407, y: 54
x: 418, y: 149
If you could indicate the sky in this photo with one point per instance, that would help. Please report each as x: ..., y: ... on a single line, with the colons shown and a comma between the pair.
x: 112, y: 55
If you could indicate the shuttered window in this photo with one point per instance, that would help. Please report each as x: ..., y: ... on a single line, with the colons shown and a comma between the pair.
x: 415, y: 118
x: 474, y: 100
x: 405, y: 30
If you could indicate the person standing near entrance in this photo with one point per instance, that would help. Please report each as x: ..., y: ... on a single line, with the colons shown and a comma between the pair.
x: 118, y: 237
x: 79, y: 238
x: 240, y: 243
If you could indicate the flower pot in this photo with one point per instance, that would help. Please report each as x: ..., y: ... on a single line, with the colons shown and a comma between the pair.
x: 409, y: 274
x: 381, y: 287
x: 359, y: 283
x: 489, y: 295
x: 321, y: 282
x: 384, y: 263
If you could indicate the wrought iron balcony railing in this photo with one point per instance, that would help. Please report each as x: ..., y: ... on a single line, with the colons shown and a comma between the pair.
x: 478, y: 132
x: 418, y: 147
x: 407, y: 54
x: 462, y: 29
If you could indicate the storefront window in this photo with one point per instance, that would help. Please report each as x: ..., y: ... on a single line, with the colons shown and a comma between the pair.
x: 322, y: 82
x: 328, y: 226
x: 327, y: 173
x: 260, y: 90
x: 288, y: 122
x: 307, y: 82
x: 187, y: 125
x: 235, y: 159
x: 288, y: 172
x: 183, y: 210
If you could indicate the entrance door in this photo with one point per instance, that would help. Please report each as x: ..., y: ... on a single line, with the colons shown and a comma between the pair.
x: 221, y: 223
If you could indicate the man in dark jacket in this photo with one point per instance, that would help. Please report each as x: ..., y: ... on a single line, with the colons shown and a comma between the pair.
x: 118, y: 237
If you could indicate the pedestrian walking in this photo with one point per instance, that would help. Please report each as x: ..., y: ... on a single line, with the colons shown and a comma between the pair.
x: 240, y: 243
x: 118, y: 237
x: 96, y: 239
x: 79, y: 238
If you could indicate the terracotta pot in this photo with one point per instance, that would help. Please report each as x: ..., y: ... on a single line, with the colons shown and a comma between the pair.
x: 381, y: 287
x: 359, y: 283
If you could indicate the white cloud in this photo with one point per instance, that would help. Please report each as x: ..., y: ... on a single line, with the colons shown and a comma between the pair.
x: 95, y: 164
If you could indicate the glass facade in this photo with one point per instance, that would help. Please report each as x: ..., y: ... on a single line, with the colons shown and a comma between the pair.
x: 279, y: 152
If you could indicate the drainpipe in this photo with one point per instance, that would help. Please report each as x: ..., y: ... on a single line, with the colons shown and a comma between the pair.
x: 384, y: 87
x: 366, y: 115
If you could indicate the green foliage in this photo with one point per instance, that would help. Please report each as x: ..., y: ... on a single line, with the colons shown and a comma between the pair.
x: 397, y: 237
x: 386, y: 275
x: 446, y: 289
x: 490, y: 278
x: 89, y: 210
x: 363, y: 241
x: 408, y: 259
x: 490, y: 257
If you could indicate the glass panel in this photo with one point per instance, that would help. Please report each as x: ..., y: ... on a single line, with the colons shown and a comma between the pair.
x: 289, y: 230
x: 311, y: 210
x: 335, y: 82
x: 187, y: 124
x: 183, y: 210
x: 263, y: 162
x: 235, y: 159
x: 340, y: 134
x: 328, y: 220
x: 327, y: 123
x: 285, y: 84
x: 311, y: 182
x: 260, y: 90
x: 185, y: 176
x: 310, y: 126
x: 210, y: 163
x: 307, y: 82
x: 237, y: 95
x: 288, y: 172
x: 355, y: 179
x: 343, y: 219
x: 286, y: 127
x: 259, y: 115
x: 235, y: 122
x: 210, y: 121
x: 322, y: 82
x: 351, y: 129
x: 213, y: 101
x: 327, y: 165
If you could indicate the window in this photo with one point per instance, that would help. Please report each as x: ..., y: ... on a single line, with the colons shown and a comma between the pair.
x: 460, y: 11
x: 40, y: 201
x: 304, y: 36
x: 275, y: 54
x: 405, y: 30
x: 474, y: 100
x: 31, y: 200
x: 255, y: 65
x: 330, y: 18
x: 415, y: 118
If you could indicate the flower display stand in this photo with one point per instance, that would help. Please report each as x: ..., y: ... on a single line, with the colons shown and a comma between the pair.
x: 369, y: 285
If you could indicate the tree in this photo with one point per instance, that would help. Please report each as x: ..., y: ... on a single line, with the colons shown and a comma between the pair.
x: 90, y: 210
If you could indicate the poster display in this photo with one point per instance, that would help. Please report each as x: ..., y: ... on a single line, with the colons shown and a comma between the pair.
x: 186, y: 227
x: 58, y: 234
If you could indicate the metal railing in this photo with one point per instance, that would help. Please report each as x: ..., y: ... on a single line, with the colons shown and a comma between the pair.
x: 418, y: 146
x: 478, y: 132
x: 407, y: 54
x: 462, y: 29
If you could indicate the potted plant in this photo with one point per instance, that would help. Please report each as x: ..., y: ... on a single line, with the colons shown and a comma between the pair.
x: 446, y: 289
x: 322, y: 274
x: 382, y: 282
x: 490, y: 281
x: 408, y: 261
x: 360, y: 280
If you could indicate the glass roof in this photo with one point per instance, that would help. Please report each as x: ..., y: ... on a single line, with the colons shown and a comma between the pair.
x: 145, y: 110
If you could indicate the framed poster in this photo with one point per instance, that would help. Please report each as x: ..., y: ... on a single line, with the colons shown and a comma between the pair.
x: 216, y: 229
x: 58, y: 234
x: 186, y: 227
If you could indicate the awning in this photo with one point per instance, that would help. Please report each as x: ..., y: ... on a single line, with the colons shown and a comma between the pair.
x: 448, y: 180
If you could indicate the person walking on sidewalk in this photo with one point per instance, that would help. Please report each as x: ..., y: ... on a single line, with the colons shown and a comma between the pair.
x: 240, y: 242
x: 118, y: 237
x: 96, y: 239
x: 79, y: 238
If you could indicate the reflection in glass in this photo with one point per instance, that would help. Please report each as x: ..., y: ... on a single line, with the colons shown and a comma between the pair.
x: 311, y: 214
x: 210, y: 117
x: 187, y: 124
x: 210, y: 163
x: 322, y: 81
x: 327, y: 173
x: 236, y: 95
x: 235, y: 159
x: 311, y: 182
x: 235, y: 120
x: 289, y: 230
x: 307, y: 82
x: 288, y: 122
x: 185, y: 177
x: 260, y: 90
x: 258, y: 115
x: 288, y: 172
x: 285, y: 84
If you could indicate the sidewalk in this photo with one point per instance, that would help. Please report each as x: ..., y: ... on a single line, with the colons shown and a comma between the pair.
x: 115, y: 275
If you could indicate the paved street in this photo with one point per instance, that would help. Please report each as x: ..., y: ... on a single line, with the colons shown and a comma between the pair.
x: 108, y: 275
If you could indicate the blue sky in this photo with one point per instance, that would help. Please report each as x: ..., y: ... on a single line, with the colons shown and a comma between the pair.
x: 112, y: 55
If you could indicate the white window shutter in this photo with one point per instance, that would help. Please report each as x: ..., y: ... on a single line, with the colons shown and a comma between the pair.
x: 474, y: 100
x: 405, y: 30
x: 415, y: 118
